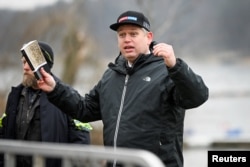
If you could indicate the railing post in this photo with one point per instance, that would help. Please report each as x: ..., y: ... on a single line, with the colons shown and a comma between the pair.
x: 66, y: 162
x: 38, y: 161
x: 9, y: 160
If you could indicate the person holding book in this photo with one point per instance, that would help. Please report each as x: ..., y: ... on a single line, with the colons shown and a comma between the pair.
x: 30, y: 116
x: 141, y: 98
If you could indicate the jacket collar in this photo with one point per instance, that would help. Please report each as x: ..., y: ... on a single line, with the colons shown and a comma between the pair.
x: 121, y: 64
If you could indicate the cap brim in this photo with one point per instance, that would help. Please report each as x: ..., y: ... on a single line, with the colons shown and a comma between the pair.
x: 115, y: 26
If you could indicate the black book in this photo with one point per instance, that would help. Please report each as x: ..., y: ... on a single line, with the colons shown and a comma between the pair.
x: 35, y: 58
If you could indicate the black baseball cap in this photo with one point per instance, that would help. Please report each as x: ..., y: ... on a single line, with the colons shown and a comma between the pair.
x: 131, y: 17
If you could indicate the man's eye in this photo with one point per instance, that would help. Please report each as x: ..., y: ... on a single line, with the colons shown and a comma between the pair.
x: 133, y: 34
x: 122, y: 35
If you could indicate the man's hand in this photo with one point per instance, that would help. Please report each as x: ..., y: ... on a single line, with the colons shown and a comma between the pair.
x: 166, y: 52
x: 47, y: 83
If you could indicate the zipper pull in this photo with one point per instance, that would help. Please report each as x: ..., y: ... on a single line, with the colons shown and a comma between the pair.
x: 126, y: 80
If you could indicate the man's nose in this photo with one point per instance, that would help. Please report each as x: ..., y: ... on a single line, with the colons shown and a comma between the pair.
x: 127, y: 38
x: 26, y: 66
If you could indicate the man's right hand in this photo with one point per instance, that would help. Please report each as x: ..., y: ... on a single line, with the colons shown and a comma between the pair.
x: 47, y: 83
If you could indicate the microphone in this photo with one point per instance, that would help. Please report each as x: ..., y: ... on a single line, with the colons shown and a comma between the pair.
x: 152, y: 44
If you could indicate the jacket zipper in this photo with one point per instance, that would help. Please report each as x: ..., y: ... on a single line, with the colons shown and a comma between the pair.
x: 119, y: 114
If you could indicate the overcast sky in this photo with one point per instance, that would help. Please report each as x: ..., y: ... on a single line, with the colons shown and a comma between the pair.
x: 24, y: 4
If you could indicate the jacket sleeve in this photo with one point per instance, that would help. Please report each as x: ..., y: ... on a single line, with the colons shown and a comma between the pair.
x: 190, y: 90
x: 68, y: 100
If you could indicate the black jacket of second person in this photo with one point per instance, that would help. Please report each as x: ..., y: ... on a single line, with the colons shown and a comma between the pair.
x: 55, y: 126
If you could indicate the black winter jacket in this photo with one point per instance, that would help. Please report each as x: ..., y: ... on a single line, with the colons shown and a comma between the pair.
x: 55, y: 125
x: 141, y: 107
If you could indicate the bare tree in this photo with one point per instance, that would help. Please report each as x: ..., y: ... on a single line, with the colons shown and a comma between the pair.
x: 72, y: 45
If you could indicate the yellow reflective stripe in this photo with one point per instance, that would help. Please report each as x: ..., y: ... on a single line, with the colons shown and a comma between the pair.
x: 1, y: 120
x: 82, y: 126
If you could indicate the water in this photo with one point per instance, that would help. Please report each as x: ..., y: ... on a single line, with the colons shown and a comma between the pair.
x: 224, y: 117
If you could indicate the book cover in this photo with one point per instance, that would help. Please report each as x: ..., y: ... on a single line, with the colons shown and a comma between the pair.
x: 35, y: 58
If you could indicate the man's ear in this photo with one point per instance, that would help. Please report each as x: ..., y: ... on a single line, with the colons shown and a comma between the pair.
x: 150, y: 37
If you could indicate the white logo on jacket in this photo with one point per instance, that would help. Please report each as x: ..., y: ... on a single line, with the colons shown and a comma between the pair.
x: 147, y: 79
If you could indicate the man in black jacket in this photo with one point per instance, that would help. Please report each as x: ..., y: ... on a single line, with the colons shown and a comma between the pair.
x: 142, y: 96
x: 30, y: 116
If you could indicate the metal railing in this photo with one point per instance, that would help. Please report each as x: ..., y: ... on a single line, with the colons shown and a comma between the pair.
x: 76, y: 155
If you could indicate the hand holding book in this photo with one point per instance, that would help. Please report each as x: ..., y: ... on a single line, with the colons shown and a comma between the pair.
x: 47, y: 83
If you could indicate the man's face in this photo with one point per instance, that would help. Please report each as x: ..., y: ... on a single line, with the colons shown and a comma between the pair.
x: 29, y: 79
x: 133, y: 41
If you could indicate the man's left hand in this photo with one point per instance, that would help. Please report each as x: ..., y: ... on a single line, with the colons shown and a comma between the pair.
x: 166, y: 52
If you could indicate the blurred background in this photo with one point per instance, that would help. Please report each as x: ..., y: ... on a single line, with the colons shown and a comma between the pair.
x: 213, y: 37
